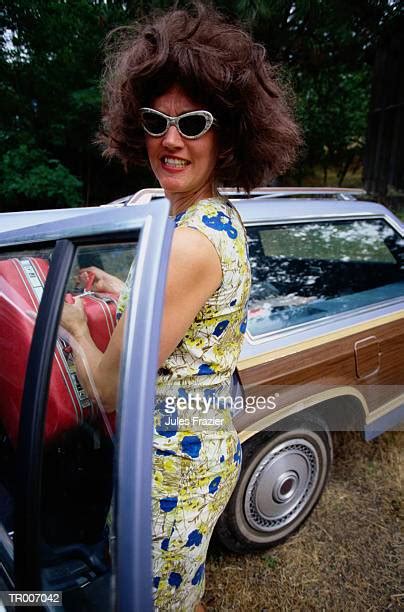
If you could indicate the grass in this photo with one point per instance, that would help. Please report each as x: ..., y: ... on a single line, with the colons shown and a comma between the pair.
x: 346, y: 556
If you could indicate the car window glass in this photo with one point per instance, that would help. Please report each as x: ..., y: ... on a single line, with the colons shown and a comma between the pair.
x: 307, y: 271
x: 360, y: 240
x: 22, y: 278
x: 80, y: 437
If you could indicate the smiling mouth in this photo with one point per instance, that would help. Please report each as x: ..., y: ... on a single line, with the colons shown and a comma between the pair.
x: 173, y: 162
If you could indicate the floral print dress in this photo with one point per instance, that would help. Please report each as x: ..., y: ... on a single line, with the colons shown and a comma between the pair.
x: 197, y: 454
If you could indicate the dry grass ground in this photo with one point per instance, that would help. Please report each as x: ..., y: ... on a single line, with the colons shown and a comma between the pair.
x: 348, y: 555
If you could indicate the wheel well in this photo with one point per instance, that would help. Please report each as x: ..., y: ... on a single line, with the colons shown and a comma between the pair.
x: 341, y: 413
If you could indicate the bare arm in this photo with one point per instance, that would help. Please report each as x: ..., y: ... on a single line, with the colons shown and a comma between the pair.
x: 98, y: 372
x: 194, y: 274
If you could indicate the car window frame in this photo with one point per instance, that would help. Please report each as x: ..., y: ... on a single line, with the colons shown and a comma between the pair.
x: 132, y: 571
x: 296, y: 333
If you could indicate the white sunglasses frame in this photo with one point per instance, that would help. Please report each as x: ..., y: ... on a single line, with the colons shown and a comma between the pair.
x: 210, y: 120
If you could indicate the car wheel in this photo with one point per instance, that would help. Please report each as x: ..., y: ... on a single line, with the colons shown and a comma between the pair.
x: 282, y: 478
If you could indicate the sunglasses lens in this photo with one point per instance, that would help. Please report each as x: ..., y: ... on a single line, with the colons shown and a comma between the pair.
x: 153, y: 123
x: 193, y: 125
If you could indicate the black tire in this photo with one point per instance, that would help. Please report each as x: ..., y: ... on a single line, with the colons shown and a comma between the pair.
x: 282, y: 478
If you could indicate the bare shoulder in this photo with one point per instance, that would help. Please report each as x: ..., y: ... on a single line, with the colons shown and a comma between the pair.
x: 194, y: 263
x: 191, y: 248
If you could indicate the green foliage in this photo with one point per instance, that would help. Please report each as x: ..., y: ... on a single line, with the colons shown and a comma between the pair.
x: 51, y: 64
x: 332, y: 108
x: 27, y: 175
x: 327, y: 48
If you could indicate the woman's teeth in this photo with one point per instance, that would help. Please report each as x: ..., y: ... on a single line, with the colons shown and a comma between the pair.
x: 175, y: 163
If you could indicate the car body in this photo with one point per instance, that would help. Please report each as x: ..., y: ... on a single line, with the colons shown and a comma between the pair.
x: 324, y: 341
x: 324, y: 348
x: 324, y: 351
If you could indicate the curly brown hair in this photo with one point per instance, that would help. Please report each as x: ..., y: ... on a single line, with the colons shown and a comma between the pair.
x: 218, y: 66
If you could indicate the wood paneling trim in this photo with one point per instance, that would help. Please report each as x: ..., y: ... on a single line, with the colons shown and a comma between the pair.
x: 250, y: 362
x: 295, y: 408
x: 286, y: 411
x: 386, y: 408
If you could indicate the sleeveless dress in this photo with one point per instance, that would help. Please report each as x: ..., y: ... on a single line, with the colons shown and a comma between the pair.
x: 196, y: 450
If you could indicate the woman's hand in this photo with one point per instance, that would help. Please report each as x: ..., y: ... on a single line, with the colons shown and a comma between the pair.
x: 102, y: 281
x: 74, y: 318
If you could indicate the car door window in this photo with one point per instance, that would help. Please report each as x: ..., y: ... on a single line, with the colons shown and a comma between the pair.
x: 79, y: 435
x: 307, y: 271
x: 69, y: 453
x: 22, y: 278
x: 80, y: 439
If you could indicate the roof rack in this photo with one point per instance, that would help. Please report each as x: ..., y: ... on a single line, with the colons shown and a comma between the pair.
x: 146, y: 195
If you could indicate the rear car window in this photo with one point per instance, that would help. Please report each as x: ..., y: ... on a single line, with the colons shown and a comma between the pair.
x: 307, y: 271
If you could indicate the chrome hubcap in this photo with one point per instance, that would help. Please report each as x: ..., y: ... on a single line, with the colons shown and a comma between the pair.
x: 282, y: 484
x: 285, y: 486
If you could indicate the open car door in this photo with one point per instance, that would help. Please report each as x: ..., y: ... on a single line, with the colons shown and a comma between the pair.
x: 75, y: 477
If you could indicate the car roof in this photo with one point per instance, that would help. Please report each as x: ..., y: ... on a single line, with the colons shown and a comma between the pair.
x: 297, y: 209
x: 143, y: 196
x: 278, y: 204
x: 252, y: 210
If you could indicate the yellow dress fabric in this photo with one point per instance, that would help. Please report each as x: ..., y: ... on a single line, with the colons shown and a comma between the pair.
x: 209, y: 351
x: 196, y: 451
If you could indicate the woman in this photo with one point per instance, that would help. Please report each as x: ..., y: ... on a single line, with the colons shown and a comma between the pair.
x: 197, y: 98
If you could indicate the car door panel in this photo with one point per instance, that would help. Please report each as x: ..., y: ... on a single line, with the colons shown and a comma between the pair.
x: 139, y: 363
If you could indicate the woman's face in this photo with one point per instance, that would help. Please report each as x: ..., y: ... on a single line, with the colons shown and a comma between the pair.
x: 182, y: 166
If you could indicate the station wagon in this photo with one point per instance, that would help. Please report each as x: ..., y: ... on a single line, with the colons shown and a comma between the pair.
x: 324, y: 351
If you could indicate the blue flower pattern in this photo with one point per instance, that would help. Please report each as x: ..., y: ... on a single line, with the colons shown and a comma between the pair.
x: 168, y: 503
x: 214, y: 484
x: 178, y: 218
x: 221, y: 223
x: 165, y: 543
x: 156, y: 581
x: 194, y: 473
x: 199, y: 574
x: 191, y: 445
x: 194, y: 538
x: 205, y: 369
x: 243, y: 325
x: 220, y: 327
x: 237, y: 454
x: 175, y: 579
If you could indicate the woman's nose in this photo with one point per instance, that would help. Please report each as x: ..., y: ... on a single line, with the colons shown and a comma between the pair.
x: 172, y: 138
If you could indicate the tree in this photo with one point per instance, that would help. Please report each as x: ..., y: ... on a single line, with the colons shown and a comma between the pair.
x: 327, y: 48
x: 28, y: 175
x: 51, y: 64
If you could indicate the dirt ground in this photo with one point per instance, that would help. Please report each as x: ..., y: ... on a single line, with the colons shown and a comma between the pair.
x: 349, y: 555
